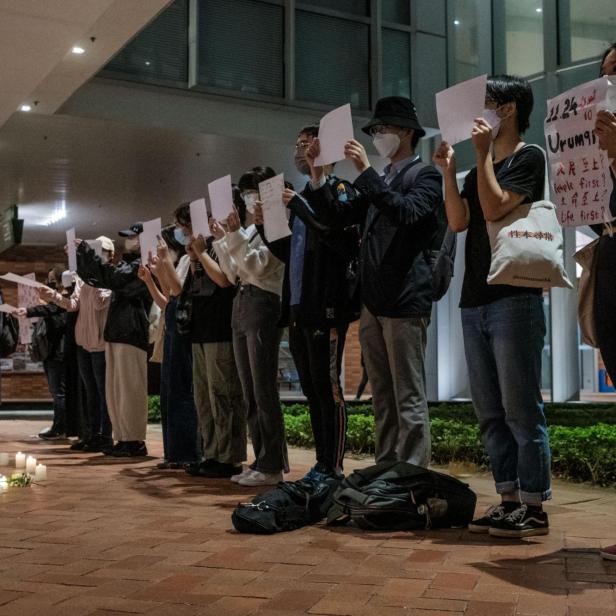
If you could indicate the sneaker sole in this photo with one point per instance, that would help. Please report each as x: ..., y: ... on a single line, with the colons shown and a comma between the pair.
x: 478, y: 530
x: 607, y: 556
x: 518, y: 534
x: 258, y: 483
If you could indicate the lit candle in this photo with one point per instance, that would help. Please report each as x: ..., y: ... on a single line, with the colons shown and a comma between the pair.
x: 30, y: 465
x: 41, y: 472
x: 20, y: 460
x: 4, y: 459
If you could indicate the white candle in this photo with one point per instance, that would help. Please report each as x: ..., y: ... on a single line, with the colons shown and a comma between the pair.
x: 41, y: 472
x: 20, y: 460
x: 4, y: 459
x: 30, y: 464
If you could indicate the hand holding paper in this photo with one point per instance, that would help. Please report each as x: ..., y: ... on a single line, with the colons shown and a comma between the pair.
x: 458, y: 106
x: 148, y: 238
x: 24, y: 280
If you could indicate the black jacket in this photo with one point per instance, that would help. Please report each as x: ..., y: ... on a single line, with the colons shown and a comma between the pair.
x: 127, y: 320
x: 400, y: 223
x: 55, y: 323
x: 329, y: 294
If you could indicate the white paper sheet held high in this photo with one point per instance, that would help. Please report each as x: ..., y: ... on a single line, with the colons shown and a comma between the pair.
x: 221, y: 197
x: 27, y: 282
x: 71, y: 250
x: 335, y: 129
x: 199, y: 218
x: 275, y: 223
x: 148, y: 239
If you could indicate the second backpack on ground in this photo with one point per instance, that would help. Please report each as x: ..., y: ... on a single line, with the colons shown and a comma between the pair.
x: 402, y: 496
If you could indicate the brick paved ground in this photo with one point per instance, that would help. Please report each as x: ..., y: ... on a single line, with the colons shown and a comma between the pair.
x: 110, y: 538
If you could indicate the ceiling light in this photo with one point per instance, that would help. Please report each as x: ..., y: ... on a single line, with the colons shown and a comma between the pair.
x: 25, y: 108
x: 456, y: 22
x: 147, y: 63
x: 58, y: 214
x: 78, y: 50
x: 539, y: 10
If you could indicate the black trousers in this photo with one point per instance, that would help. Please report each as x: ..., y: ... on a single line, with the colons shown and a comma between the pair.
x: 605, y: 302
x: 317, y: 354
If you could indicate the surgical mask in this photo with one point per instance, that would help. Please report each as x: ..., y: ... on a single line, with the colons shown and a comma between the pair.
x: 250, y: 199
x: 52, y: 285
x: 301, y: 164
x: 493, y: 119
x: 386, y: 144
x: 180, y: 236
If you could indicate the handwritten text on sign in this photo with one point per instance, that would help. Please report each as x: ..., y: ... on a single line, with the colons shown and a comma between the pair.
x: 580, y: 180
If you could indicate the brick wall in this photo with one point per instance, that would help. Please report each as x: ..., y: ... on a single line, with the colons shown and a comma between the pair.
x: 25, y: 260
x: 352, y: 362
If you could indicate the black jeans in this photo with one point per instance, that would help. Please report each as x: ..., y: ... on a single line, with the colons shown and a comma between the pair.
x: 92, y: 371
x: 56, y: 381
x: 177, y: 405
x: 605, y: 303
x: 317, y: 354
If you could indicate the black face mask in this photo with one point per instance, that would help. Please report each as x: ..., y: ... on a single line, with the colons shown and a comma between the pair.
x: 52, y: 285
x: 301, y: 164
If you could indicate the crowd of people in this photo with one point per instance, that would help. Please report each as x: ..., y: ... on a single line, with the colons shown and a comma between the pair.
x: 356, y: 250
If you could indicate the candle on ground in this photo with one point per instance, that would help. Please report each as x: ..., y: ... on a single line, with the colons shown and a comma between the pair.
x: 30, y: 464
x: 4, y: 459
x: 41, y: 472
x: 20, y: 460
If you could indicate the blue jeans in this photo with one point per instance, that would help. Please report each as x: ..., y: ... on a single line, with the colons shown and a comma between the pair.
x: 177, y: 406
x: 503, y: 342
x: 92, y: 371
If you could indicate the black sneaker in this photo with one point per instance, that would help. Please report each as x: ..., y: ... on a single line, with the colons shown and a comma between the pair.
x: 109, y: 451
x: 220, y: 470
x: 55, y: 434
x: 78, y: 445
x: 131, y: 449
x: 493, y: 515
x: 98, y: 443
x: 525, y: 521
x: 197, y: 468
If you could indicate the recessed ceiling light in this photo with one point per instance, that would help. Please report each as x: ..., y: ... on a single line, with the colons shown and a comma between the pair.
x: 456, y: 22
x: 539, y: 10
x: 25, y: 108
x: 147, y: 63
x: 78, y: 50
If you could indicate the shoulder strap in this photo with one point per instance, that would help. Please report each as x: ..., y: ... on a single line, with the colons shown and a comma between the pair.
x: 411, y: 171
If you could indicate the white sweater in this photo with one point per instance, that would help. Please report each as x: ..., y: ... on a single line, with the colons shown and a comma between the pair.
x: 243, y: 254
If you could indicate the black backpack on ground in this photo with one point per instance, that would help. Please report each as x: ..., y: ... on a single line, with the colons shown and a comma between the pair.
x: 9, y: 334
x: 401, y: 496
x: 290, y: 505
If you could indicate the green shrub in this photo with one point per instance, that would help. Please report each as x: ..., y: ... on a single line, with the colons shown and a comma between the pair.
x: 154, y: 409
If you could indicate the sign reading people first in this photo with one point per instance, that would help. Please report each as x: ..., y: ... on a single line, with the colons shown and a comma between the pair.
x: 579, y: 171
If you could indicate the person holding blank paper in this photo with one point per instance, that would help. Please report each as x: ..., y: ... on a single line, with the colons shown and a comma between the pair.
x: 257, y: 273
x: 503, y: 325
x: 401, y: 213
x: 126, y: 341
x: 318, y: 302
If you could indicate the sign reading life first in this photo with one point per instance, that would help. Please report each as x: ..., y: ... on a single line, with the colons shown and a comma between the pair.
x: 579, y: 170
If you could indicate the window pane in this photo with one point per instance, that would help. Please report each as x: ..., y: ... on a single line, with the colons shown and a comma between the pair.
x: 396, y: 63
x: 356, y: 7
x: 588, y: 28
x: 320, y: 78
x: 430, y: 16
x: 467, y: 40
x: 524, y: 36
x: 397, y: 11
x: 242, y: 50
x: 160, y: 50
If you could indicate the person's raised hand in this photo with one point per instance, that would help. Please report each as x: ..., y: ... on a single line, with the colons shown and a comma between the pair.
x: 21, y: 312
x: 605, y: 129
x: 287, y: 195
x: 257, y: 217
x: 356, y: 153
x: 481, y: 136
x: 144, y: 272
x: 217, y: 230
x: 46, y: 294
x: 444, y: 157
x: 233, y: 221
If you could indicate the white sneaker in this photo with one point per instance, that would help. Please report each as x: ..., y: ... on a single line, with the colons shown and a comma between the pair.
x: 255, y: 478
x: 244, y: 473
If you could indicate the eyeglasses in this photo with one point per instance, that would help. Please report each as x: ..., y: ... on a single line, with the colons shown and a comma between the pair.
x: 379, y: 129
x: 302, y: 145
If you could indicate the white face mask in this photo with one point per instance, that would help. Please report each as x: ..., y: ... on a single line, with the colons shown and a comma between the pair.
x: 386, y: 144
x: 491, y: 117
x: 250, y: 199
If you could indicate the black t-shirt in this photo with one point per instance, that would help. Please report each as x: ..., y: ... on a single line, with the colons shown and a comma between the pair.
x: 211, y: 305
x: 598, y: 229
x: 522, y: 173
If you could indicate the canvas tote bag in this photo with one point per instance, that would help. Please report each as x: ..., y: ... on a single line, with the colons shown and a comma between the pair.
x: 527, y: 247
